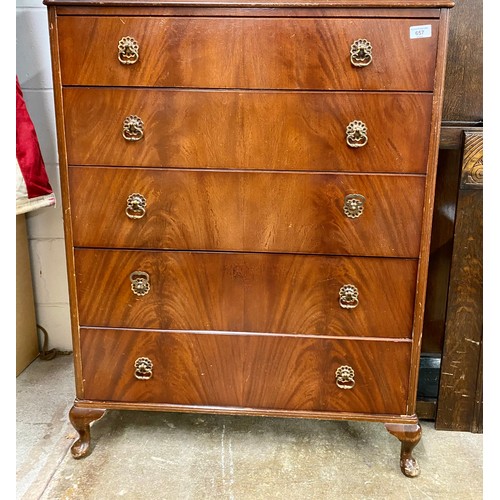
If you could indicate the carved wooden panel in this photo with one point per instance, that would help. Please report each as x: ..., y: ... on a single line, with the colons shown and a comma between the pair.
x: 472, y: 164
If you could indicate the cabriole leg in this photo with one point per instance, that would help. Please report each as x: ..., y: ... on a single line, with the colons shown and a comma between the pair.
x: 409, y: 435
x: 81, y: 418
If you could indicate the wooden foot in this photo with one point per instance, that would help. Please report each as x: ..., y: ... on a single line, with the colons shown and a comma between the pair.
x: 81, y: 418
x: 409, y: 435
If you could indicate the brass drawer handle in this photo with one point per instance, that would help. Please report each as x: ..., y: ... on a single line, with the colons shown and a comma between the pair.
x: 344, y: 377
x: 136, y: 206
x: 128, y: 50
x: 140, y: 283
x: 361, y: 53
x: 354, y: 204
x: 133, y: 128
x: 357, y: 134
x: 143, y: 368
x: 348, y: 297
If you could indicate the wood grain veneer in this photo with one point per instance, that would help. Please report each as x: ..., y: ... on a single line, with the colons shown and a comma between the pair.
x: 248, y: 130
x: 245, y: 371
x: 289, y: 294
x: 250, y: 53
x: 247, y: 211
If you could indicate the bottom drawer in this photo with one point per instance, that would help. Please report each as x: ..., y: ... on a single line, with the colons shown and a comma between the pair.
x: 243, y: 370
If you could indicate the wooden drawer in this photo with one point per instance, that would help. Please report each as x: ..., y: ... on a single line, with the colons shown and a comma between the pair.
x: 248, y: 130
x: 247, y: 211
x: 246, y: 371
x: 289, y: 294
x: 247, y: 53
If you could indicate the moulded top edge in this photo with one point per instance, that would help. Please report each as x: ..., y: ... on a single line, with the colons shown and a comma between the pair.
x: 258, y: 3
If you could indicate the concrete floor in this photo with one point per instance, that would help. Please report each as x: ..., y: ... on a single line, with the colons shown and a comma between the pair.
x: 172, y: 456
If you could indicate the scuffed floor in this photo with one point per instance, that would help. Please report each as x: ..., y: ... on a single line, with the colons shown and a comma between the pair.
x: 173, y: 456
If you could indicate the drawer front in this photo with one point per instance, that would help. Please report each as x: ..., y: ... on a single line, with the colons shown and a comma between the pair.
x: 248, y: 130
x: 246, y: 53
x: 266, y: 372
x: 246, y: 211
x: 289, y: 294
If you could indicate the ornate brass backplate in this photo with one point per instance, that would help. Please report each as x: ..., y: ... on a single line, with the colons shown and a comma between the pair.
x: 128, y: 50
x: 139, y: 283
x: 344, y: 377
x: 143, y: 368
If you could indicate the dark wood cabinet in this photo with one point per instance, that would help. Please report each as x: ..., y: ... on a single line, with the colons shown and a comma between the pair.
x: 463, y: 87
x: 248, y: 191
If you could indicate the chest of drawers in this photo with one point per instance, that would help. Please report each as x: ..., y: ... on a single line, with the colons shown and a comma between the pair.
x: 248, y: 191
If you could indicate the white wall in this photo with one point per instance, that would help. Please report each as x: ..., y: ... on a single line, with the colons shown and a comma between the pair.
x: 45, y: 226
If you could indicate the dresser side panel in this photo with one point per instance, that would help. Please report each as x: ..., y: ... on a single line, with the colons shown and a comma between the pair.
x: 65, y: 195
x: 428, y: 209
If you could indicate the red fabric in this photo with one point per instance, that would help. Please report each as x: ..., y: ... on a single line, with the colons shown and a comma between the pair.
x: 28, y: 151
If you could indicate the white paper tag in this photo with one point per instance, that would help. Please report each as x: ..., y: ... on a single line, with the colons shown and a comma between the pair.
x: 421, y: 31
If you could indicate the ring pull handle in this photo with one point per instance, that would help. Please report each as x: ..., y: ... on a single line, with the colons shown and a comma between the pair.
x: 348, y: 297
x: 136, y: 206
x: 344, y: 377
x: 128, y: 50
x: 361, y: 53
x: 139, y: 283
x: 356, y: 134
x: 143, y: 368
x: 354, y: 204
x: 133, y: 128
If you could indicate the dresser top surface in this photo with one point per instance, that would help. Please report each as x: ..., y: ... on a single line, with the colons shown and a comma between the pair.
x: 259, y: 3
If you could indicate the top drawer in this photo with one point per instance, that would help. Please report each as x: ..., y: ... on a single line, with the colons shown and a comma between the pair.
x: 246, y: 53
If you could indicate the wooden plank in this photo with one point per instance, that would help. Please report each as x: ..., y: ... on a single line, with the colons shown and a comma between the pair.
x: 463, y: 95
x: 463, y: 336
x: 427, y: 215
x: 177, y: 11
x: 477, y: 421
x: 259, y: 3
x: 452, y: 134
x: 443, y: 225
x: 426, y: 409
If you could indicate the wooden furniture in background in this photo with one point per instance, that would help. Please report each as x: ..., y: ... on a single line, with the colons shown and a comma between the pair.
x: 460, y: 405
x: 248, y: 191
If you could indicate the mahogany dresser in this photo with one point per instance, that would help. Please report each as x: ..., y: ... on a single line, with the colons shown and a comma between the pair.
x: 248, y: 189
